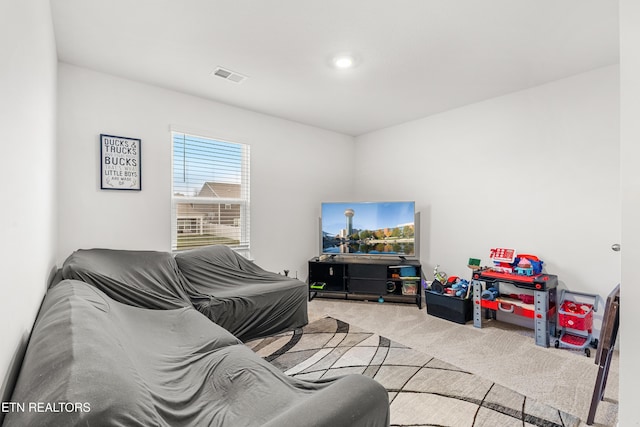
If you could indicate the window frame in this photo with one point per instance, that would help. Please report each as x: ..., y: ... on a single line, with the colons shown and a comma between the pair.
x: 244, y: 245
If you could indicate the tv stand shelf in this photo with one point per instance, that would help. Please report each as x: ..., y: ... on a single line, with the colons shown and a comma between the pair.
x: 392, y: 280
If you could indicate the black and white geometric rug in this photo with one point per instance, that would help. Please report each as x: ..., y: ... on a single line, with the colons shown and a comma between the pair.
x: 423, y: 391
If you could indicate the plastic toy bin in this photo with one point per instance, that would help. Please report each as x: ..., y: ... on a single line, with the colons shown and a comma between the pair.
x: 575, y: 319
x: 408, y: 271
x: 576, y: 316
x: 449, y: 307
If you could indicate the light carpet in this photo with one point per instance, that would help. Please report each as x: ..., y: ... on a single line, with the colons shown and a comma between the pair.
x: 423, y: 390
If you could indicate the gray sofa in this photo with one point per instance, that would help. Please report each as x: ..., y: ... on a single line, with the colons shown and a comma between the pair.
x: 232, y: 291
x: 265, y: 303
x: 125, y: 347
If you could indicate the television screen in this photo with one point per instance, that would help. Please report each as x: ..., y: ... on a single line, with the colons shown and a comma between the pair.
x: 368, y: 228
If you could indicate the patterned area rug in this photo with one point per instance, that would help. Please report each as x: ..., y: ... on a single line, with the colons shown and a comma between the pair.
x: 423, y: 391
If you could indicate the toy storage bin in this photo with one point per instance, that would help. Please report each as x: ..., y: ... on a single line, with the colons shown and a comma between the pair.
x: 449, y: 307
x: 576, y: 316
x: 408, y: 271
x: 575, y: 320
x: 510, y: 305
x: 410, y: 288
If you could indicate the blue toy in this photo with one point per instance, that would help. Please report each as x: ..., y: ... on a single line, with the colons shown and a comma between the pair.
x: 527, y: 265
x: 490, y: 294
x: 461, y: 287
x: 524, y: 271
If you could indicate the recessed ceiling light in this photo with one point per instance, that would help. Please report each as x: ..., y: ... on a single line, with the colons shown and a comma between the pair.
x: 344, y: 61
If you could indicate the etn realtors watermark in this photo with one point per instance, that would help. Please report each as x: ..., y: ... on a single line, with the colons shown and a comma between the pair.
x: 54, y: 407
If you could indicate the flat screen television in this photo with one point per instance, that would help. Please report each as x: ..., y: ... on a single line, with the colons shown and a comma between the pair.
x: 368, y: 228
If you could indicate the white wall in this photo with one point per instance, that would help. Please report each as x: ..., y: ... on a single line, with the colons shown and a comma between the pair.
x: 557, y: 143
x: 536, y: 170
x: 293, y: 167
x: 27, y: 176
x: 630, y: 188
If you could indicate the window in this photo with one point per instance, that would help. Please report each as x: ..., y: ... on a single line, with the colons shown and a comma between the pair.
x: 210, y: 196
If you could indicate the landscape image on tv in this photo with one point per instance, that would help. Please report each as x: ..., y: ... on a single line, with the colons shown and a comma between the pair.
x: 368, y: 228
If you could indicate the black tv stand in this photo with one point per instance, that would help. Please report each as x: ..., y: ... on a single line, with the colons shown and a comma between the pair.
x: 368, y: 279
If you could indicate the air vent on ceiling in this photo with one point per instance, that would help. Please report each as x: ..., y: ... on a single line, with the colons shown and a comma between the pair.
x: 229, y: 75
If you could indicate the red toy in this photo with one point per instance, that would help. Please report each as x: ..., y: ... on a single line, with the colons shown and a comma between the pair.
x: 576, y: 320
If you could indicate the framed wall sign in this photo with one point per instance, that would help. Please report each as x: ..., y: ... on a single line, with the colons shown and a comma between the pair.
x: 120, y: 167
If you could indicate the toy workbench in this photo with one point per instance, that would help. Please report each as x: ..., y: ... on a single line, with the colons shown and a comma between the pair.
x: 543, y: 307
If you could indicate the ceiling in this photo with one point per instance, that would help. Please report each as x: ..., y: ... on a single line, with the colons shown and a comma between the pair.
x: 414, y: 57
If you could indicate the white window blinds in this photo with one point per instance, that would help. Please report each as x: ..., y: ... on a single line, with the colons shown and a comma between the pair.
x: 210, y: 195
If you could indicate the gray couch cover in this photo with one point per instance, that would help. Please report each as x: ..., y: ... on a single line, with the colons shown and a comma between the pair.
x: 239, y: 295
x: 146, y: 279
x: 230, y: 290
x: 98, y: 362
